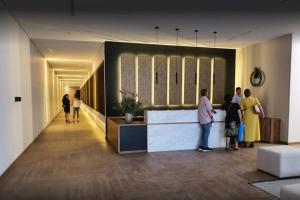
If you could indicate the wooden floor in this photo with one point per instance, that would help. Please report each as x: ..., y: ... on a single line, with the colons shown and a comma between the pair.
x: 75, y: 162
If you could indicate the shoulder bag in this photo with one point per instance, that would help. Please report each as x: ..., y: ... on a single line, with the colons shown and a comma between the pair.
x: 256, y: 108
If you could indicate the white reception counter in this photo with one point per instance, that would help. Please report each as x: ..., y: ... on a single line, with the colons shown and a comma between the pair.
x: 170, y: 130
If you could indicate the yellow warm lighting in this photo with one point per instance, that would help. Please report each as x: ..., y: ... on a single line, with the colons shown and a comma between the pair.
x: 120, y: 78
x: 212, y: 79
x: 69, y: 75
x: 183, y: 80
x: 197, y: 80
x: 46, y: 91
x: 94, y: 92
x: 71, y: 79
x: 66, y: 60
x: 70, y: 70
x: 137, y: 77
x: 168, y: 81
x: 152, y: 81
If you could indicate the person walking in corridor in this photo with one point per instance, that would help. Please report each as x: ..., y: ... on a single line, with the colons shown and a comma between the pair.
x: 76, y: 106
x: 205, y: 115
x: 251, y: 118
x: 66, y: 105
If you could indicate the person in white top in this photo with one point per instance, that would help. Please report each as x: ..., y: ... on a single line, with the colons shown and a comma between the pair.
x: 76, y: 106
x: 237, y: 98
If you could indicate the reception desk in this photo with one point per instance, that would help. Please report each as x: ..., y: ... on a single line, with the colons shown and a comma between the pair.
x: 171, y: 130
x: 164, y: 130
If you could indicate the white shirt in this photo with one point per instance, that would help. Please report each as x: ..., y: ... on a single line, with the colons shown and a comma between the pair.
x: 237, y: 99
x: 76, y: 103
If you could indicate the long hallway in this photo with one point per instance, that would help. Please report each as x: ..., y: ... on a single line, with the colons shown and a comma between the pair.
x: 74, y: 162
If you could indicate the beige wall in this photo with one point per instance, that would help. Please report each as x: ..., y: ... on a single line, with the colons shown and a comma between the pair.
x: 45, y: 100
x: 294, y: 128
x: 15, y: 117
x: 23, y: 73
x: 274, y: 58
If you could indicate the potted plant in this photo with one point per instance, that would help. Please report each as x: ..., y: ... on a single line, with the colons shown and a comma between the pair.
x: 129, y: 107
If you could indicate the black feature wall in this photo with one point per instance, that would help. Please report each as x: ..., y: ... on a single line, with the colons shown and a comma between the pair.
x: 113, y: 50
x: 92, y: 92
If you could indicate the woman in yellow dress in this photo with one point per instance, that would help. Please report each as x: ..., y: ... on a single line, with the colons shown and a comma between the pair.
x: 250, y: 118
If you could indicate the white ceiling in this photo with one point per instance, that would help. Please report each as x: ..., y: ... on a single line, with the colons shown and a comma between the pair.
x: 239, y: 23
x: 67, y: 49
x: 235, y: 29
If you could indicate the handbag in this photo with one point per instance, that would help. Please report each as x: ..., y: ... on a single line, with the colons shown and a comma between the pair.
x: 256, y: 108
x: 241, y: 133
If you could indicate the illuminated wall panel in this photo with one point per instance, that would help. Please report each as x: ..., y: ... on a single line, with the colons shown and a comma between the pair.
x: 219, y: 80
x: 160, y: 80
x: 175, y: 80
x: 205, y: 75
x: 144, y: 79
x: 128, y: 72
x: 190, y: 80
x: 91, y: 91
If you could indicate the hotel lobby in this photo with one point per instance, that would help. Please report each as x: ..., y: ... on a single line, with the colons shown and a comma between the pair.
x: 137, y: 72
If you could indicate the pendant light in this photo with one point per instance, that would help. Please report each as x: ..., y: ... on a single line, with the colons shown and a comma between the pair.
x: 156, y: 34
x: 215, y: 38
x: 176, y: 74
x: 196, y: 33
x: 213, y: 66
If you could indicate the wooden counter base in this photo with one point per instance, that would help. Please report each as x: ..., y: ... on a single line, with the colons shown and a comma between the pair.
x: 127, y: 138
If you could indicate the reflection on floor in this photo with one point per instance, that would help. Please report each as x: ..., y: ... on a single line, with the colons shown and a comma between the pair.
x: 74, y: 162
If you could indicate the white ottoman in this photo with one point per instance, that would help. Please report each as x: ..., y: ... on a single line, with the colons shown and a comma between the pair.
x: 290, y: 192
x: 281, y: 161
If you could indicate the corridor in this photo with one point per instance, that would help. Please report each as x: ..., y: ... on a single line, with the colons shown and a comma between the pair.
x: 74, y: 162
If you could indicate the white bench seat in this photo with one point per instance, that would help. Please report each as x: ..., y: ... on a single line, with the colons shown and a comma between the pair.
x: 281, y: 161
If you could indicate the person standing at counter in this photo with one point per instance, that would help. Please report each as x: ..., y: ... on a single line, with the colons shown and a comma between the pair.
x: 237, y: 98
x: 251, y: 118
x: 232, y: 120
x: 205, y: 115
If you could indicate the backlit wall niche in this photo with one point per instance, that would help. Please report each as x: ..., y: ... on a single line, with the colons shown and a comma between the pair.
x: 175, y: 80
x: 161, y: 80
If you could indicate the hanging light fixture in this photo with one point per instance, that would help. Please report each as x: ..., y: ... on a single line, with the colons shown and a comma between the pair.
x: 213, y: 67
x: 176, y: 75
x: 72, y: 7
x: 215, y: 38
x: 197, y: 70
x: 154, y: 74
x: 196, y: 33
x: 156, y: 34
